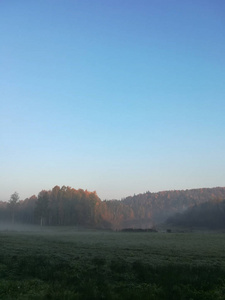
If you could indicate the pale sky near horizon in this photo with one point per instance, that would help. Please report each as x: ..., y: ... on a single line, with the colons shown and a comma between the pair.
x: 117, y: 96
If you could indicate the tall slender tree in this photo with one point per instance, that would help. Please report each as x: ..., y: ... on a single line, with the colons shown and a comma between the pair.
x: 13, y: 204
x: 42, y: 207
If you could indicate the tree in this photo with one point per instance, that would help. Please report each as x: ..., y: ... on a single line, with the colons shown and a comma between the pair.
x: 41, y: 208
x: 12, y: 205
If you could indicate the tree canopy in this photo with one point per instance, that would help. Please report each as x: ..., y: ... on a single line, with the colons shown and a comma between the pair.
x: 68, y: 206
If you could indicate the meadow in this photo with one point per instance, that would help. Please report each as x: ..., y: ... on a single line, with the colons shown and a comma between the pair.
x: 70, y: 263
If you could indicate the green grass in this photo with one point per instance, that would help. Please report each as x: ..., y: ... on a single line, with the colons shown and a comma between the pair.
x: 63, y: 263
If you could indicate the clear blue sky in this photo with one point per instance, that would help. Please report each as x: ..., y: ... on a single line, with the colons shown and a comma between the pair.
x: 117, y: 96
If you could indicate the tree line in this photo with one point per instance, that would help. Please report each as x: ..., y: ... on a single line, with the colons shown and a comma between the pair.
x: 67, y: 206
x: 208, y: 215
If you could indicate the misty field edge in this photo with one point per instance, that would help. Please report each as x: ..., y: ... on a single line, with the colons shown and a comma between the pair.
x: 111, y: 265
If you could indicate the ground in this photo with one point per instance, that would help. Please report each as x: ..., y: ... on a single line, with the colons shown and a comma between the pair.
x: 70, y: 263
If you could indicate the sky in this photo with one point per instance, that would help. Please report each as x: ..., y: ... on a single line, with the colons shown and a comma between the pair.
x: 114, y: 96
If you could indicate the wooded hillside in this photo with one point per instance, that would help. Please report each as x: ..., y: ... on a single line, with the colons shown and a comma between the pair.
x: 68, y: 206
x: 208, y: 215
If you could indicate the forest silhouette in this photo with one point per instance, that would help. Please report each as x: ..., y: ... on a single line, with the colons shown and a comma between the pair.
x: 66, y: 206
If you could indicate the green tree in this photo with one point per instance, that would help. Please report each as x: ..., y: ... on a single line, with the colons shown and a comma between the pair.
x: 13, y: 204
x: 42, y: 205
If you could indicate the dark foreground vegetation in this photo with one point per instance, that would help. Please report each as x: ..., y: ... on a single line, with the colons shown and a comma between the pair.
x: 66, y: 263
x: 67, y: 206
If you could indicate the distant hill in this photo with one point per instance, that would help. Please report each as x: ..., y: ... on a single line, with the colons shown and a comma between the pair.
x: 67, y: 206
x: 208, y: 215
x: 150, y: 209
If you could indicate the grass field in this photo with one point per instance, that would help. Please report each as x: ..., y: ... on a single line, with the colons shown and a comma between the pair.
x: 64, y: 263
